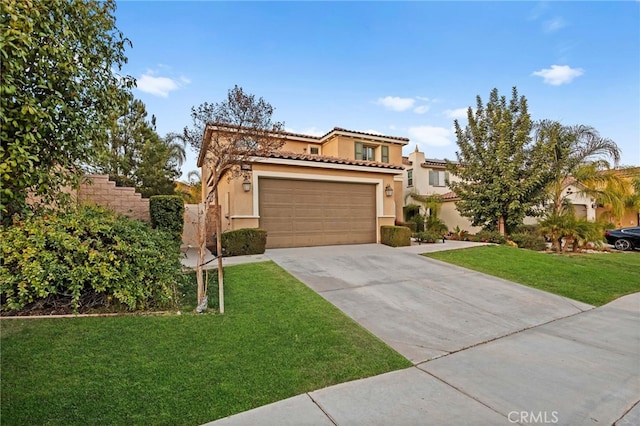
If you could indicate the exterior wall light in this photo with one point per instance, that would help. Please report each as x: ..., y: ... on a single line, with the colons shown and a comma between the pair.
x: 388, y: 190
x: 246, y: 185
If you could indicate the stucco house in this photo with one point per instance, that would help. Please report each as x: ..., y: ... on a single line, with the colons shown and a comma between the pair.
x: 338, y: 188
x: 427, y: 176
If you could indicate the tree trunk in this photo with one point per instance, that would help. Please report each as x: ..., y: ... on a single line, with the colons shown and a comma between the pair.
x: 202, y: 214
x: 219, y: 251
x: 501, y: 228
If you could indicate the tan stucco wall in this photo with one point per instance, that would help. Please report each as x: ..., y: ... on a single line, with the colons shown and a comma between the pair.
x: 451, y: 217
x: 239, y: 208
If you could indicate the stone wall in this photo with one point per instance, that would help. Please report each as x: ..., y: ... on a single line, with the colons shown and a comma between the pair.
x: 103, y: 192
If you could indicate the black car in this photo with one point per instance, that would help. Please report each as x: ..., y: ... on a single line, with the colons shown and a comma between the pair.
x: 624, y: 238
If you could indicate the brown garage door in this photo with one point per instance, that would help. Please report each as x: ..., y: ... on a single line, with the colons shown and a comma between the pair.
x: 300, y: 213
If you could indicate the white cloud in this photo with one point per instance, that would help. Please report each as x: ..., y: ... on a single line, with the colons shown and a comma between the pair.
x: 456, y: 113
x: 422, y: 98
x: 396, y: 103
x: 432, y: 136
x: 421, y: 109
x: 159, y: 86
x: 559, y: 74
x: 554, y: 24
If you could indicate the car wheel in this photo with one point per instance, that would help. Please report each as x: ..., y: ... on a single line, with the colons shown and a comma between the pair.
x: 623, y: 244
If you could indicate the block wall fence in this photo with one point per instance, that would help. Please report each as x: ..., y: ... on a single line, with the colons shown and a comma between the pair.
x: 103, y: 192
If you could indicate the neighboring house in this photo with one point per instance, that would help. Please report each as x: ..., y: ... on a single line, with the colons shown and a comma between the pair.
x: 427, y: 176
x: 338, y: 188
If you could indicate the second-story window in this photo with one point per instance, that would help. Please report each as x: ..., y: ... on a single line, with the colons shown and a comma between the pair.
x: 314, y: 150
x: 368, y: 153
x: 365, y: 152
x: 384, y: 154
x: 409, y: 178
x: 437, y: 178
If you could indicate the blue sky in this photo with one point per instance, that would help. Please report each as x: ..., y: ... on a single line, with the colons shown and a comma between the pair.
x: 396, y: 68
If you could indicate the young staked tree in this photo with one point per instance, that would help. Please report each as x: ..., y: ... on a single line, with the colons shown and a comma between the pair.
x: 236, y: 131
x: 58, y: 90
x: 502, y: 171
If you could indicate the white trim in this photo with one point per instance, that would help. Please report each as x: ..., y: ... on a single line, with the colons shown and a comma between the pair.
x: 311, y: 177
x: 245, y: 217
x: 320, y: 165
x: 387, y: 216
x: 399, y: 178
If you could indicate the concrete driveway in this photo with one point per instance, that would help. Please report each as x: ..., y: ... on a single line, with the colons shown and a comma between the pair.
x: 486, y: 351
x: 421, y: 307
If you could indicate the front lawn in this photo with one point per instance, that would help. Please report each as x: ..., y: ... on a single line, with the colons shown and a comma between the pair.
x: 591, y: 278
x: 276, y: 339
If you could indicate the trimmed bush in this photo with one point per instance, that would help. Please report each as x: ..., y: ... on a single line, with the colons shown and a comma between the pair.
x: 86, y: 259
x: 410, y: 225
x: 529, y: 241
x: 427, y: 237
x: 167, y: 214
x: 488, y: 237
x: 395, y: 236
x: 242, y: 242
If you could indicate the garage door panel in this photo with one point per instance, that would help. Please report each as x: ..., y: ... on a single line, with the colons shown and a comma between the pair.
x: 299, y: 213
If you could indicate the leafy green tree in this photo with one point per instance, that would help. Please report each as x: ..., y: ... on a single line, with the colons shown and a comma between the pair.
x: 133, y: 154
x: 58, y: 89
x: 502, y: 171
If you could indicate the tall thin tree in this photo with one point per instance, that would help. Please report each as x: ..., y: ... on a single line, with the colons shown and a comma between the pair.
x: 230, y: 133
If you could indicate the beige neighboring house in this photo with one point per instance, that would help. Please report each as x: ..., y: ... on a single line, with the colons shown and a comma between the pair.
x: 428, y: 176
x: 338, y: 188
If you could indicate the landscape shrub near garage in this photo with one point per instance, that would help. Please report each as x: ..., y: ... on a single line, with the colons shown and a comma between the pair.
x: 242, y: 242
x: 529, y: 241
x: 427, y: 237
x: 395, y: 236
x: 88, y: 258
x: 167, y: 214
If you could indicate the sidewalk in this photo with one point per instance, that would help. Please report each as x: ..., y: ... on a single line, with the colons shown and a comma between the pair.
x: 190, y: 259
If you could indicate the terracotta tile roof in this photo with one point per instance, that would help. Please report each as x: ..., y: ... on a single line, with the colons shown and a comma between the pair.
x: 434, y: 162
x: 406, y: 162
x: 335, y: 160
x: 340, y: 129
x: 450, y: 196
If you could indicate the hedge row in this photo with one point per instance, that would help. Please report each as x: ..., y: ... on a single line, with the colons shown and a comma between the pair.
x: 64, y: 257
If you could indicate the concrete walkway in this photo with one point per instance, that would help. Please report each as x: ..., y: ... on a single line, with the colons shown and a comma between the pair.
x: 486, y: 351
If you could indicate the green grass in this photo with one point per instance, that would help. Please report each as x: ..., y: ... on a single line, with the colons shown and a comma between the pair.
x: 277, y: 339
x: 591, y: 278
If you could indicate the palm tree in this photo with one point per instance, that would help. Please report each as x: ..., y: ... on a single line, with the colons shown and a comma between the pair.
x: 579, y: 153
x: 176, y: 145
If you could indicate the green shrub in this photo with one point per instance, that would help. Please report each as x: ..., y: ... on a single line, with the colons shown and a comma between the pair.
x: 488, y: 237
x: 418, y: 219
x: 427, y: 237
x: 529, y: 241
x: 410, y: 225
x: 86, y: 258
x: 242, y: 242
x: 528, y: 229
x: 395, y: 236
x: 167, y: 214
x: 436, y: 225
x: 410, y: 211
